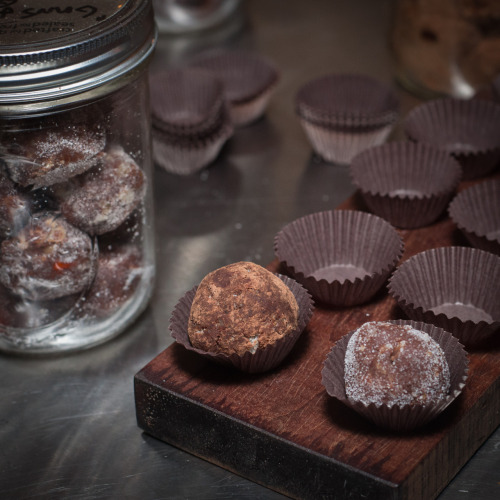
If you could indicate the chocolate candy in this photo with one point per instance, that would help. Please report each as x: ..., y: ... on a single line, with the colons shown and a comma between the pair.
x: 47, y: 259
x: 103, y: 198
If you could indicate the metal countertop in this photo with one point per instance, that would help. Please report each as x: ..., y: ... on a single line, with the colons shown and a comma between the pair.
x: 67, y: 424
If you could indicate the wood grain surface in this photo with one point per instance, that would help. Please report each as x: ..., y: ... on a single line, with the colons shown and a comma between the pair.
x: 282, y: 430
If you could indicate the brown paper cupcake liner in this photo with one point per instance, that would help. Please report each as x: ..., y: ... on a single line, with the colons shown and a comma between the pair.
x: 194, y: 138
x: 467, y: 129
x: 188, y: 157
x: 263, y: 359
x: 476, y: 212
x: 347, y: 100
x: 245, y: 113
x: 338, y: 146
x: 187, y: 133
x: 408, y: 184
x: 343, y: 257
x: 249, y: 80
x: 454, y: 288
x: 399, y: 418
x: 185, y: 101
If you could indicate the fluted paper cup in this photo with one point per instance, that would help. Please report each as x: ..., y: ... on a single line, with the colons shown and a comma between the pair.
x: 407, y: 417
x: 476, y: 212
x: 341, y: 146
x: 263, y: 359
x: 343, y: 257
x: 185, y: 101
x: 408, y: 184
x: 191, y: 154
x: 467, y: 129
x: 249, y: 81
x: 454, y: 288
x: 347, y: 100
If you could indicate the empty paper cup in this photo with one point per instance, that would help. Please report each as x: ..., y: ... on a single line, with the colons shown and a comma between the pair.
x: 189, y: 154
x: 343, y: 115
x: 249, y: 81
x: 476, y: 212
x: 399, y: 418
x: 185, y: 101
x: 261, y: 360
x: 408, y: 184
x: 350, y: 101
x: 467, y: 129
x: 343, y: 257
x: 454, y: 288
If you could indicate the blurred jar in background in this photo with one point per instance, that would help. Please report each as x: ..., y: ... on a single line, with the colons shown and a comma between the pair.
x: 446, y: 47
x: 184, y: 16
x: 76, y: 210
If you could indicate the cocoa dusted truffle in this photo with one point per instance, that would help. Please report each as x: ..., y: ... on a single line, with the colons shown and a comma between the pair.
x: 388, y: 364
x: 47, y: 259
x: 101, y: 199
x: 241, y: 307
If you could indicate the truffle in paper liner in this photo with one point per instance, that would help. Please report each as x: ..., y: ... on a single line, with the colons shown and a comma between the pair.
x: 454, y: 288
x: 347, y: 100
x: 249, y: 81
x: 476, y: 212
x: 406, y: 183
x: 343, y: 257
x: 399, y: 418
x: 263, y: 359
x: 185, y: 101
x: 467, y: 129
x: 185, y: 157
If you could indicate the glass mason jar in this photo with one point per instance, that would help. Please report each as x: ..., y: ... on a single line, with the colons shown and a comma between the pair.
x: 76, y: 208
x: 446, y: 47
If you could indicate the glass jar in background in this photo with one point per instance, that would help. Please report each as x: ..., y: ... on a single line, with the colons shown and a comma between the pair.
x: 187, y: 16
x: 446, y: 47
x: 77, y: 249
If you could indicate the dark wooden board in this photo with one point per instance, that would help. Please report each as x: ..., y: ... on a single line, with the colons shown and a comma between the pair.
x: 282, y: 430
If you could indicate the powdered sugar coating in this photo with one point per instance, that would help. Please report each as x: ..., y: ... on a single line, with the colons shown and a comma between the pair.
x: 389, y: 364
x: 102, y: 199
x: 47, y: 259
x: 119, y: 272
x: 52, y: 155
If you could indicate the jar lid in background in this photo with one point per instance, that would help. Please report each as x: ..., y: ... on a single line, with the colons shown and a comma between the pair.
x: 56, y: 49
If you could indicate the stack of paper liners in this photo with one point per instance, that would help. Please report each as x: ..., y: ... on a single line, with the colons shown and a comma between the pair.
x: 249, y: 80
x: 190, y: 120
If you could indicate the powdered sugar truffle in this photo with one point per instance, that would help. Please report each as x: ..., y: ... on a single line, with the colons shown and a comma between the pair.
x: 388, y: 364
x: 101, y: 199
x: 47, y: 259
x: 54, y: 154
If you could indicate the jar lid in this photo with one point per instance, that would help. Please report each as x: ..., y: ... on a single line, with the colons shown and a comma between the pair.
x: 52, y: 49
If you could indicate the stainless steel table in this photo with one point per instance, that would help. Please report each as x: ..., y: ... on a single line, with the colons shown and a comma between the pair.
x: 67, y: 424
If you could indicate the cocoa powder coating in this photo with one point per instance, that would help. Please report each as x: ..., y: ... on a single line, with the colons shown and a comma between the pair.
x: 241, y: 307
